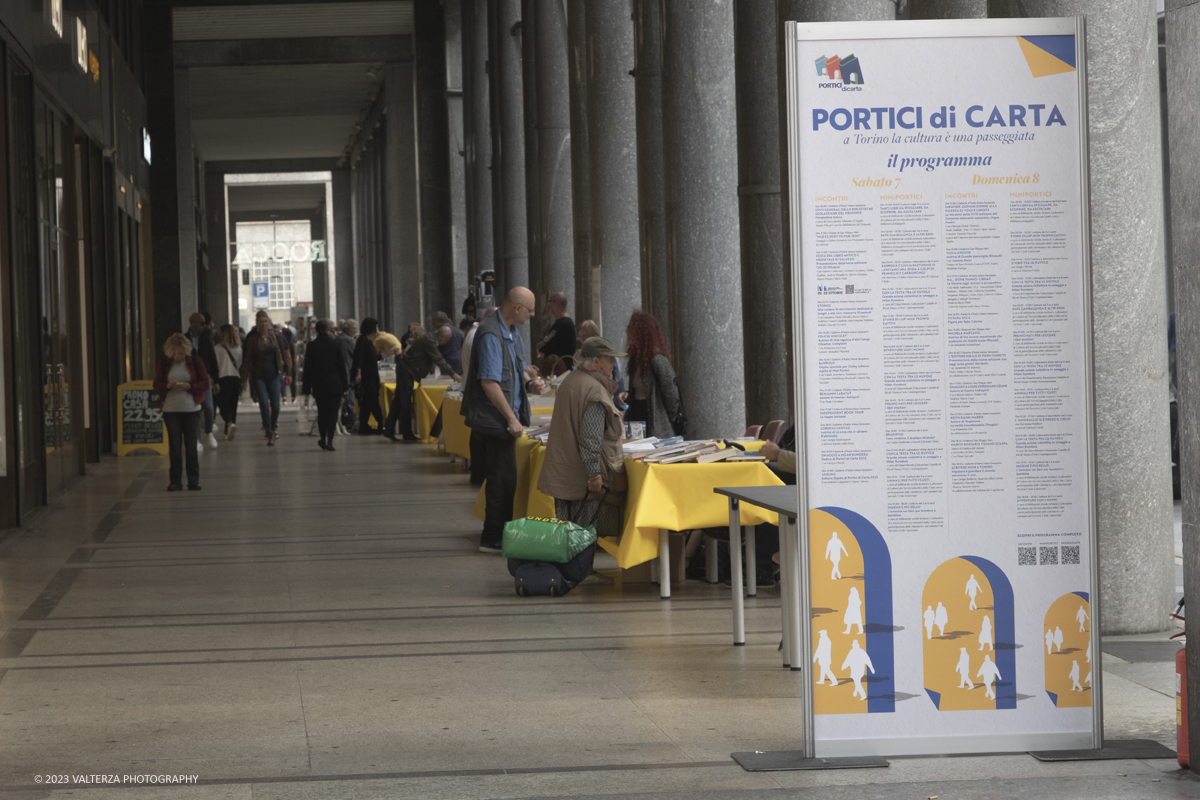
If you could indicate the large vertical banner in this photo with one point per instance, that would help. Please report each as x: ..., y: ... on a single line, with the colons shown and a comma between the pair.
x: 939, y: 216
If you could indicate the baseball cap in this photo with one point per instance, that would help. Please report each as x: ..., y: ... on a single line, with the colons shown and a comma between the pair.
x: 599, y: 346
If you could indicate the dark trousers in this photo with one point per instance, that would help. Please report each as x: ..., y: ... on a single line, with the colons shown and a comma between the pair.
x: 500, y: 472
x: 368, y: 406
x: 182, y: 429
x: 476, y: 459
x: 227, y: 398
x: 401, y: 410
x: 327, y: 415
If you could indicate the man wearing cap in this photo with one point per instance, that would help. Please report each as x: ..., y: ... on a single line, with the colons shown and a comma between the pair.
x: 583, y: 453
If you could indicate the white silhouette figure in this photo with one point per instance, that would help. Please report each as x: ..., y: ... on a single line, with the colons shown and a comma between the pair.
x: 929, y: 622
x: 1058, y: 638
x: 858, y: 662
x: 1088, y: 679
x: 973, y: 588
x: 853, y: 611
x: 964, y: 669
x: 985, y: 635
x: 1081, y: 618
x: 941, y: 619
x: 1075, y: 686
x: 990, y: 673
x: 1089, y: 654
x: 1049, y: 642
x: 834, y: 552
x: 824, y: 658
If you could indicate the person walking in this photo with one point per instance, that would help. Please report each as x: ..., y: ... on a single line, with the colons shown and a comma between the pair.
x: 413, y: 366
x: 229, y: 377
x: 266, y: 361
x: 366, y: 377
x: 326, y: 379
x: 496, y: 406
x: 200, y: 335
x: 653, y: 393
x: 181, y: 381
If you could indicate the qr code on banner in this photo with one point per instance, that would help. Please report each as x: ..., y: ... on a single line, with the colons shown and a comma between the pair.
x: 1070, y: 554
x: 1026, y: 556
x: 1048, y: 554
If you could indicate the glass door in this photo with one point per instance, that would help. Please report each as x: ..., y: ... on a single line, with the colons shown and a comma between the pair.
x: 55, y: 183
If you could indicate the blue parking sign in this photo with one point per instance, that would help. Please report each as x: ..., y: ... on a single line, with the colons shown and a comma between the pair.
x: 262, y: 295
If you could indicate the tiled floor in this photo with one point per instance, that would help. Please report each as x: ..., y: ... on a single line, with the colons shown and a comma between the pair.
x: 320, y: 624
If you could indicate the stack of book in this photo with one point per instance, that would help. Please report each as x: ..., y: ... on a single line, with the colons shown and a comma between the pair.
x: 541, y: 433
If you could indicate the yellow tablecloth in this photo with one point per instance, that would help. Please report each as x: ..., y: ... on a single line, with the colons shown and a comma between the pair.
x: 679, y: 497
x: 454, y: 429
x: 674, y: 497
x: 427, y: 400
x: 458, y: 435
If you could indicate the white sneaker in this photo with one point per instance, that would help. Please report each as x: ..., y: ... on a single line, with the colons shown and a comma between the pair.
x: 232, y: 430
x: 212, y: 441
x: 199, y: 446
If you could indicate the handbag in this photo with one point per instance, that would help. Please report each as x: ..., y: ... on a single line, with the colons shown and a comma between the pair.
x: 679, y: 418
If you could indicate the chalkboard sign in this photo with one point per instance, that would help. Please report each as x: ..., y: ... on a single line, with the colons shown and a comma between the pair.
x: 141, y: 421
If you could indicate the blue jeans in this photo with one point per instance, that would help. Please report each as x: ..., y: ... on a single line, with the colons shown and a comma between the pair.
x: 268, y: 401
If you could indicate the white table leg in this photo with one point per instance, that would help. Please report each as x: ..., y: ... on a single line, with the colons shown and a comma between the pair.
x: 794, y: 595
x: 664, y: 564
x: 752, y: 558
x: 735, y: 557
x: 785, y: 577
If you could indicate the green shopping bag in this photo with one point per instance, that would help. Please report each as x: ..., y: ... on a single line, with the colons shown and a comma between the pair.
x: 542, y: 539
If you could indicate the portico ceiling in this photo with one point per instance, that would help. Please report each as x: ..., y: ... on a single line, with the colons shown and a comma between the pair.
x: 272, y: 96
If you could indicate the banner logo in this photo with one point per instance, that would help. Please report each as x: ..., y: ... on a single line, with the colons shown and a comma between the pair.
x: 839, y: 71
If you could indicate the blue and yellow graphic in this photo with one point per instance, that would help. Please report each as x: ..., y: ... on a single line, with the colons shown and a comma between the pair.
x: 969, y: 634
x: 1068, y: 651
x: 851, y: 589
x: 1048, y: 55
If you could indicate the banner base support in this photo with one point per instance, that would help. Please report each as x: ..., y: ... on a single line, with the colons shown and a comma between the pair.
x: 1113, y: 749
x: 784, y: 760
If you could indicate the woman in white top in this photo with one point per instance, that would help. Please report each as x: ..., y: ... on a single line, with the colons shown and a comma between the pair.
x: 229, y: 377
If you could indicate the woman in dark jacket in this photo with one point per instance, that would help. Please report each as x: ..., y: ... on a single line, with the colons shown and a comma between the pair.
x: 326, y: 379
x: 653, y: 393
x: 181, y: 382
x: 265, y: 362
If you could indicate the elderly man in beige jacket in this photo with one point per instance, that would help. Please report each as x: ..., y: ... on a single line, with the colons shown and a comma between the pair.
x: 583, y: 453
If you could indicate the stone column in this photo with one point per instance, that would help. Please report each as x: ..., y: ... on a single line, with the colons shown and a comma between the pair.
x: 581, y: 195
x: 700, y: 136
x: 612, y: 150
x: 220, y: 290
x: 403, y: 277
x: 766, y: 278
x: 455, y: 133
x: 1133, y: 462
x: 647, y: 83
x: 343, y: 242
x: 1183, y: 46
x: 433, y: 156
x: 477, y: 132
x: 508, y: 138
x: 947, y: 9
x: 548, y: 147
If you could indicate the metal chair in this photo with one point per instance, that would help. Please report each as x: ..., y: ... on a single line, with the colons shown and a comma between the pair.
x: 753, y: 431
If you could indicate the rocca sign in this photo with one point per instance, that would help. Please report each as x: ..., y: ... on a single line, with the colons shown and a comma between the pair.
x: 259, y: 252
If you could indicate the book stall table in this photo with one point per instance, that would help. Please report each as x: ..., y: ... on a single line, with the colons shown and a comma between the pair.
x: 661, y: 498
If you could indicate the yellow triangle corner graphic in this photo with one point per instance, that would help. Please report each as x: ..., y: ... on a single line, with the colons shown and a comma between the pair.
x: 1040, y: 62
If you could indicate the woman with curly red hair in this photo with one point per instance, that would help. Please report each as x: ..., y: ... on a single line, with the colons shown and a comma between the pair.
x: 653, y: 393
